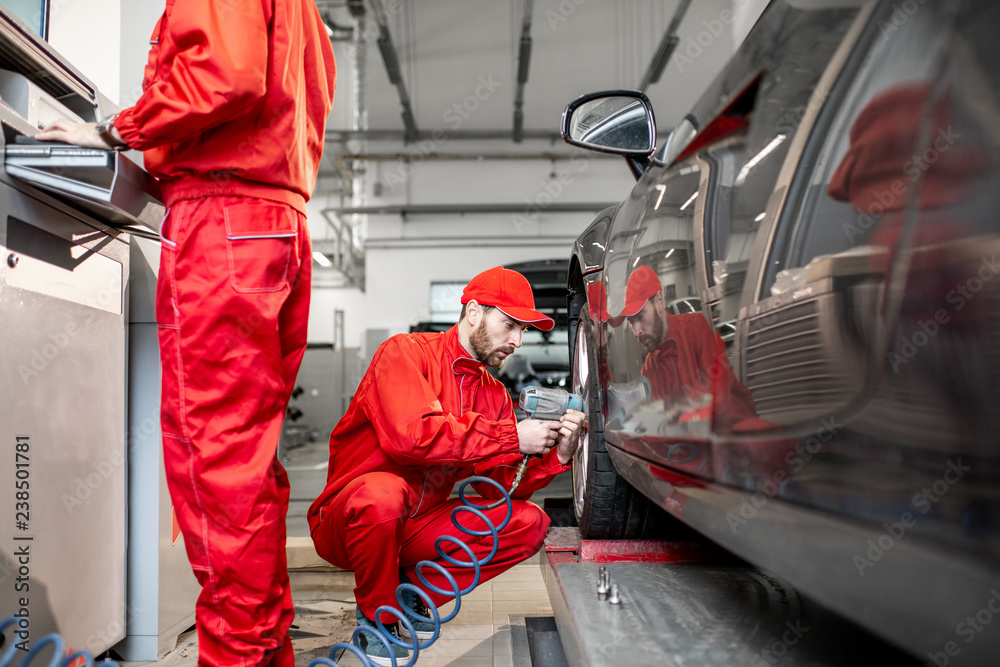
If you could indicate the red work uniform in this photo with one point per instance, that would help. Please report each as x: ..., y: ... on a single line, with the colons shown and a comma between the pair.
x: 690, y: 362
x: 231, y: 121
x: 425, y: 416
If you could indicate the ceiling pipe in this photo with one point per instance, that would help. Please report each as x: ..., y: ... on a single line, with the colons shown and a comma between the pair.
x: 469, y: 209
x: 391, y: 61
x: 417, y: 156
x: 341, y: 136
x: 666, y: 47
x: 523, y: 66
x: 439, y: 135
x: 471, y: 242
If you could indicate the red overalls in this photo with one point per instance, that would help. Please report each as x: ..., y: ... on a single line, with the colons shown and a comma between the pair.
x: 231, y: 120
x: 425, y: 416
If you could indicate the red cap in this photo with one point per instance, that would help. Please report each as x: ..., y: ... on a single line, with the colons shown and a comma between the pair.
x: 882, y: 145
x: 510, y: 292
x: 597, y: 301
x: 642, y: 284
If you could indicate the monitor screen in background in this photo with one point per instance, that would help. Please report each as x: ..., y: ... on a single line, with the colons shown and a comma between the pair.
x: 33, y: 13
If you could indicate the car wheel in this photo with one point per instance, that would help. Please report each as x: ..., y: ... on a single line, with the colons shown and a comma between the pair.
x: 606, y: 506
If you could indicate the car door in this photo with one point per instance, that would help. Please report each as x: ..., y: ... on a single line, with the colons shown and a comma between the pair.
x: 675, y: 389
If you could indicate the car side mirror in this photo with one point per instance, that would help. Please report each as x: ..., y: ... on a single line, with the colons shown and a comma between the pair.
x: 619, y: 122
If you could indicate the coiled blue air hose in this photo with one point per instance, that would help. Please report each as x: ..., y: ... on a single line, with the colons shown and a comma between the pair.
x: 7, y: 658
x: 54, y: 640
x: 403, y: 613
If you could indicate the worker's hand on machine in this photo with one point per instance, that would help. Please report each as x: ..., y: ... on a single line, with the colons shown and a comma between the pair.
x: 537, y: 436
x: 78, y: 134
x: 569, y: 435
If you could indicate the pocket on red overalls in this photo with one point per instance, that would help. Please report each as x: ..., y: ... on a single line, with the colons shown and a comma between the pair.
x: 260, y: 242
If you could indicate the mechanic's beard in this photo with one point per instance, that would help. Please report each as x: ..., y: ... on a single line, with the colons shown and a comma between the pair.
x: 479, y: 339
x: 652, y: 340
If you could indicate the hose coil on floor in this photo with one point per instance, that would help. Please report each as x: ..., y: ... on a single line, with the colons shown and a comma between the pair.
x: 405, y: 615
x: 74, y: 659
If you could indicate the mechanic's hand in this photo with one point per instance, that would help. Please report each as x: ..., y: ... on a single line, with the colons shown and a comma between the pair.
x: 537, y: 436
x: 569, y: 435
x: 78, y: 134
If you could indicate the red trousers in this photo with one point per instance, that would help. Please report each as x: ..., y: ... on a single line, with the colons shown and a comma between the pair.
x: 367, y: 528
x: 232, y: 307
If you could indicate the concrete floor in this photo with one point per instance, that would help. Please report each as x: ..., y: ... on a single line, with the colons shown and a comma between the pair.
x: 481, y: 634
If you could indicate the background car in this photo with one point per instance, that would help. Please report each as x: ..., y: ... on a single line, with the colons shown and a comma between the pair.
x: 832, y: 201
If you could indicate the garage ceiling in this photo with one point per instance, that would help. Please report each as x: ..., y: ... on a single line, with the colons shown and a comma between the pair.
x: 458, y: 59
x: 456, y: 63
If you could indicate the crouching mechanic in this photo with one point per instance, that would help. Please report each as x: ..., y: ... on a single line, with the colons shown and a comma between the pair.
x: 426, y: 415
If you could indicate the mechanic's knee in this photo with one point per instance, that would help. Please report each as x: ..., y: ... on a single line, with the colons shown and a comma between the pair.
x: 377, y: 497
x: 532, y: 524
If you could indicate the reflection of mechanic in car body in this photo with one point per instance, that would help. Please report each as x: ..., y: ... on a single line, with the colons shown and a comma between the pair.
x: 426, y: 415
x: 936, y: 205
x: 686, y: 359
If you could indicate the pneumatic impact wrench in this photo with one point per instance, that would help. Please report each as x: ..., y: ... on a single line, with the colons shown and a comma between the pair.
x: 546, y: 405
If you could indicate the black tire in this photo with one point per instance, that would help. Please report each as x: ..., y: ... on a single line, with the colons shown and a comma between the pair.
x: 606, y: 506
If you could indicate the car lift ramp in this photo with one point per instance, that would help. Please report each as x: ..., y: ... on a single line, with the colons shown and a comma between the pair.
x: 690, y: 604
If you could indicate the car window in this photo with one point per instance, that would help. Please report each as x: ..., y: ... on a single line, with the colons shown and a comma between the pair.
x: 745, y: 168
x: 654, y: 227
x: 808, y: 348
x: 942, y: 359
x: 838, y: 209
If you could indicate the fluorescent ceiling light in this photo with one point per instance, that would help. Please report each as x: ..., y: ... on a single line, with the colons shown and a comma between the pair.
x: 690, y: 199
x: 755, y: 160
x: 322, y: 259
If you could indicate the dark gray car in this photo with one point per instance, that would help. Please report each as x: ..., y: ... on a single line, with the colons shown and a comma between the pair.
x: 832, y: 203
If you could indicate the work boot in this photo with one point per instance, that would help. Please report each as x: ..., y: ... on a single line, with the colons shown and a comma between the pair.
x: 414, y: 603
x: 376, y: 651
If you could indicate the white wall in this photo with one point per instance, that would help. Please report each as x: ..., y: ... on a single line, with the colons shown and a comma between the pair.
x: 107, y: 40
x: 138, y: 18
x: 88, y: 34
x: 405, y: 255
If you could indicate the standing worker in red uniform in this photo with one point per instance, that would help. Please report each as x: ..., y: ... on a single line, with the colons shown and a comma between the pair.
x: 426, y: 415
x: 231, y: 121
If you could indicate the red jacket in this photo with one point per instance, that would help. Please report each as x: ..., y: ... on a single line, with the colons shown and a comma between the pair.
x: 235, y: 99
x: 691, y: 361
x: 429, y: 413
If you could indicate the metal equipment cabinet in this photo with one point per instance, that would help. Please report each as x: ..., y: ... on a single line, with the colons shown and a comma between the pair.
x: 86, y: 547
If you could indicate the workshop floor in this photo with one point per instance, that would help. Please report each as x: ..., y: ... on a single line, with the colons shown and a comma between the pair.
x: 482, y: 634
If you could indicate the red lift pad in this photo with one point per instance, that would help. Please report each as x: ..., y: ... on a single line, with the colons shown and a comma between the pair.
x: 564, y: 545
